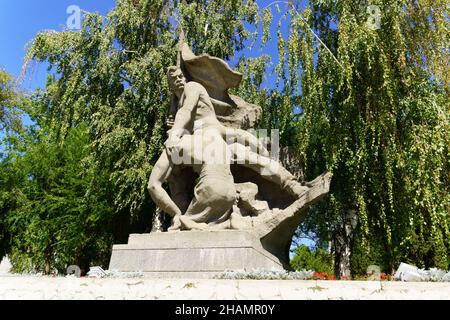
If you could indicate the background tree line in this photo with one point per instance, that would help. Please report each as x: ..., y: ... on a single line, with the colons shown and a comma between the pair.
x: 369, y: 105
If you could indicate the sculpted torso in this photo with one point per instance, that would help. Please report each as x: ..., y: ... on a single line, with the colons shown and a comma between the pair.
x: 204, y: 115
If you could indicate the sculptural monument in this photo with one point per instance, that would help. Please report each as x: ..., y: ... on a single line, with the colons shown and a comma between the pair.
x: 232, y: 206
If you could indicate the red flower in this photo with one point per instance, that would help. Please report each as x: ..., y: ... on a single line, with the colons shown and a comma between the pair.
x: 322, y: 276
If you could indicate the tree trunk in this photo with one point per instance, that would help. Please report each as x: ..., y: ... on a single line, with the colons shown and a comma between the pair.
x: 343, y: 243
x: 292, y: 162
x: 160, y: 222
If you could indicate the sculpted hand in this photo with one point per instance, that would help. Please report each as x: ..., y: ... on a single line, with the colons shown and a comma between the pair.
x: 171, y: 143
x: 170, y: 122
x: 176, y: 223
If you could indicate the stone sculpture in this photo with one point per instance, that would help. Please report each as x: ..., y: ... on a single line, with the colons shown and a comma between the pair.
x: 219, y: 203
x: 221, y: 178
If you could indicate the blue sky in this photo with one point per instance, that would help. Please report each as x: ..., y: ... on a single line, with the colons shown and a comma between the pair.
x: 21, y: 20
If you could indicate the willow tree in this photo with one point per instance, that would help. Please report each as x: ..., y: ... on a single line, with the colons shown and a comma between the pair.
x: 110, y: 78
x: 375, y: 113
x: 9, y: 100
x: 10, y: 121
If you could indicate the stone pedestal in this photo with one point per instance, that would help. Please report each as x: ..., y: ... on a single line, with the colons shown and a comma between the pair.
x: 192, y: 254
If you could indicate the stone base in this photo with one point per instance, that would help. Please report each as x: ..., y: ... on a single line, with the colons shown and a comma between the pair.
x: 191, y: 254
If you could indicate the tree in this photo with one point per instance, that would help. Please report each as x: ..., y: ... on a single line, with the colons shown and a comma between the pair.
x: 9, y: 98
x: 111, y: 75
x: 318, y: 259
x: 56, y: 208
x: 367, y: 103
x: 9, y: 121
x: 107, y: 94
x: 375, y: 114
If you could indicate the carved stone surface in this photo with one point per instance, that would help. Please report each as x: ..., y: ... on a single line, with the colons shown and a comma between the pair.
x: 232, y: 206
x: 243, y: 115
x: 121, y: 288
x: 193, y: 254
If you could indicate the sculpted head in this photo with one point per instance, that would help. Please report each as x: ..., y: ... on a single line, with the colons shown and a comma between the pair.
x: 176, y: 79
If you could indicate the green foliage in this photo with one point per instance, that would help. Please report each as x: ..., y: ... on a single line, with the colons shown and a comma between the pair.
x: 55, y: 206
x: 10, y: 121
x: 111, y: 75
x: 6, y: 202
x: 371, y: 107
x: 318, y: 260
x: 378, y: 118
x: 9, y: 99
x: 106, y: 101
x: 216, y: 27
x: 5, y: 90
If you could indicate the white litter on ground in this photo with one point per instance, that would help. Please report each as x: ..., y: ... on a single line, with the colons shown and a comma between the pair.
x: 5, y: 266
x: 410, y: 273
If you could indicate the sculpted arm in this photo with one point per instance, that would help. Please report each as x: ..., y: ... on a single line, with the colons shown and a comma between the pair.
x: 187, y: 109
x: 161, y: 171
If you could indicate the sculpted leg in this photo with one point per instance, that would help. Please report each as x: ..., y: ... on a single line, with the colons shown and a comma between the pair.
x: 268, y: 169
x: 214, y: 197
x: 188, y: 224
x: 243, y: 137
